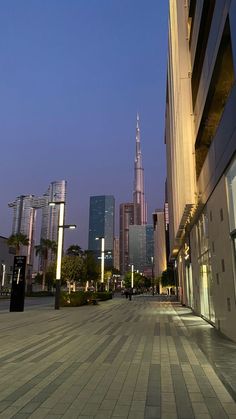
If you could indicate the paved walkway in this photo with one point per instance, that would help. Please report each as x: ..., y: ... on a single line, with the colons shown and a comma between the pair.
x: 120, y: 359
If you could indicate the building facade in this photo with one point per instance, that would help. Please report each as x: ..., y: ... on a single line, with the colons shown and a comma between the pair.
x: 201, y: 156
x: 126, y: 220
x: 102, y: 225
x: 140, y: 205
x: 116, y: 253
x: 7, y: 261
x: 56, y: 192
x: 160, y: 263
x: 141, y: 248
x: 25, y: 208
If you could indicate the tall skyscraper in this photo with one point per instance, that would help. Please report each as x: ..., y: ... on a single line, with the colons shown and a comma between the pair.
x: 101, y: 224
x: 141, y: 247
x: 140, y: 206
x: 116, y: 253
x: 24, y: 216
x: 126, y: 219
x: 134, y: 213
x: 56, y: 192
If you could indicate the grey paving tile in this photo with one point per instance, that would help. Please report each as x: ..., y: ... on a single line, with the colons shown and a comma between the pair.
x: 121, y: 410
x: 4, y: 405
x: 103, y: 414
x: 152, y: 412
x: 134, y: 361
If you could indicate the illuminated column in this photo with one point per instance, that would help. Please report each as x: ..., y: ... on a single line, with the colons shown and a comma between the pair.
x: 132, y: 276
x: 102, y: 258
x: 59, y: 253
x: 3, y: 274
x: 60, y: 239
x: 60, y: 236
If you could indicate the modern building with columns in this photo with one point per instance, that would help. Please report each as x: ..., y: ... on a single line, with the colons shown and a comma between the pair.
x: 160, y: 262
x: 200, y: 138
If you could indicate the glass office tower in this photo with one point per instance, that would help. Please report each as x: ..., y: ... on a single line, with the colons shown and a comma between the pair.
x: 101, y: 224
x: 141, y: 247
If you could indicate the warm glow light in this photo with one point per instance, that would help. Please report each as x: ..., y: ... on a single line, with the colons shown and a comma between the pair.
x: 60, y: 240
x: 3, y: 273
x: 102, y: 256
x: 102, y: 259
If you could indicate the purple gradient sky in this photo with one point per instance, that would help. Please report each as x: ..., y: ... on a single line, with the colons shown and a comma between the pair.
x: 73, y: 75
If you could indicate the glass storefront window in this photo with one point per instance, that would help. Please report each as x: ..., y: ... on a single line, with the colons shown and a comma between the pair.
x: 202, y: 232
x: 231, y: 183
x: 206, y: 279
x: 231, y: 187
x: 206, y: 287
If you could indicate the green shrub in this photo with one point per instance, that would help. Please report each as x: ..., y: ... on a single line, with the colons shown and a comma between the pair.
x: 80, y: 298
x: 102, y: 296
x: 74, y: 299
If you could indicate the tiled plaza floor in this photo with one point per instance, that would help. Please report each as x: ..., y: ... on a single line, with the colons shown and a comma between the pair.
x: 138, y: 359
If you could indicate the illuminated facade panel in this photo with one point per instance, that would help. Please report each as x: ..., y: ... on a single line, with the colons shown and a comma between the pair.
x: 200, y: 137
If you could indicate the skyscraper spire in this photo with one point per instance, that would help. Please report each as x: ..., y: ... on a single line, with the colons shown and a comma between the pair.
x: 140, y: 206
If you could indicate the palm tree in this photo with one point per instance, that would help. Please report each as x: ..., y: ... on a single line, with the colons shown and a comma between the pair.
x: 18, y: 240
x: 74, y: 250
x: 42, y: 249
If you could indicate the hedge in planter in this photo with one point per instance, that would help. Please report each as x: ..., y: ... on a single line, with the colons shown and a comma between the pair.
x: 80, y: 298
x: 74, y: 299
x: 102, y: 296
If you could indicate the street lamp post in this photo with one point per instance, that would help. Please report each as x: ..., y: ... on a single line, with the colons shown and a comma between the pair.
x: 60, y: 237
x: 102, y: 258
x: 152, y: 258
x: 132, y: 276
x: 3, y: 274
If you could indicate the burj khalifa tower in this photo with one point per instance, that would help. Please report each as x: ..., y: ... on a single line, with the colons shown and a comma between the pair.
x: 140, y: 205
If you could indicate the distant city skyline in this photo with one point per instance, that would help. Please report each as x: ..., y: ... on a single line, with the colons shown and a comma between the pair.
x: 74, y: 75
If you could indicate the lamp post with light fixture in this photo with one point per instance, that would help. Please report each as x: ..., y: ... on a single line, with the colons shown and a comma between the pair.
x: 132, y: 276
x: 60, y: 237
x: 3, y: 274
x: 102, y: 259
x: 152, y: 260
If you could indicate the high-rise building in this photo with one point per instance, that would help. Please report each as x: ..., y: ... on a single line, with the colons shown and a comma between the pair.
x: 134, y: 213
x: 116, y: 253
x: 101, y: 224
x: 141, y: 247
x: 56, y: 192
x: 140, y: 206
x: 24, y: 216
x: 126, y: 219
x: 200, y: 139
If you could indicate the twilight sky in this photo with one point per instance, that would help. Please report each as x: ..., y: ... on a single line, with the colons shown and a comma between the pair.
x: 74, y: 73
